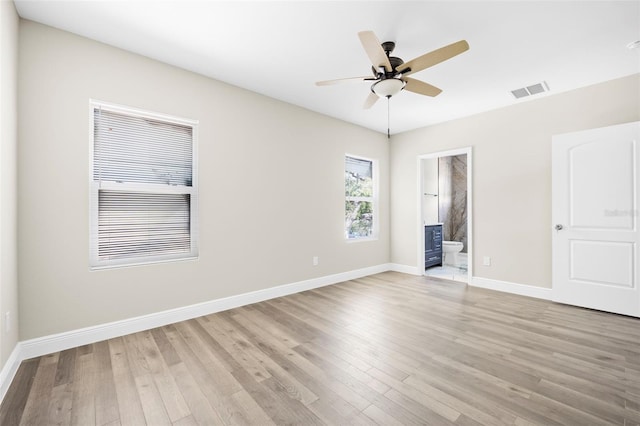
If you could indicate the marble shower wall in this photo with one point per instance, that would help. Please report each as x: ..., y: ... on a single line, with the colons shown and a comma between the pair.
x: 452, y: 198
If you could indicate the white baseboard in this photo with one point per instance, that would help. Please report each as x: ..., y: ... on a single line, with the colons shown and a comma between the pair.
x: 84, y: 336
x: 503, y: 286
x: 405, y: 269
x: 9, y: 370
x: 508, y: 287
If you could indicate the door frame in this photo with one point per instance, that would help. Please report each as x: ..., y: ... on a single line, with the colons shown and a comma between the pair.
x: 419, y: 223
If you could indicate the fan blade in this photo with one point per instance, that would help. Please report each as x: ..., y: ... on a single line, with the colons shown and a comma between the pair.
x: 374, y: 50
x: 420, y: 87
x: 371, y: 99
x: 435, y: 57
x: 342, y: 80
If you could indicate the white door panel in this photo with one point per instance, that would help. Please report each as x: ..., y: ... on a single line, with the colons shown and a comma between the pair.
x: 587, y: 259
x: 602, y: 183
x: 594, y: 197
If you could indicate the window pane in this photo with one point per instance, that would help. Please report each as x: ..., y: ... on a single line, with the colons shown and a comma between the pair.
x: 358, y: 177
x: 359, y: 219
x: 142, y: 224
x: 136, y: 149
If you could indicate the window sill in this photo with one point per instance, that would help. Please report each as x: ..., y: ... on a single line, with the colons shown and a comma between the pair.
x: 117, y: 265
x: 361, y: 240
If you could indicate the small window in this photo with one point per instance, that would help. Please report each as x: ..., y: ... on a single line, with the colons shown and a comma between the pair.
x: 143, y: 187
x: 360, y: 198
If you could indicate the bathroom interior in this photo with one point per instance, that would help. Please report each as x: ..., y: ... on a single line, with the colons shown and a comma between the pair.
x: 444, y: 210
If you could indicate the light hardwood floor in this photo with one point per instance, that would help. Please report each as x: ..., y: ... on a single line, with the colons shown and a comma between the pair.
x: 387, y: 349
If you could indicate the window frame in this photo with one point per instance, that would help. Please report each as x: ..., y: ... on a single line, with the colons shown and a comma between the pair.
x: 95, y: 186
x: 374, y: 200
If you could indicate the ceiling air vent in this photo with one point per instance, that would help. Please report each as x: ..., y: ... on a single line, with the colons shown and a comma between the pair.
x: 534, y: 89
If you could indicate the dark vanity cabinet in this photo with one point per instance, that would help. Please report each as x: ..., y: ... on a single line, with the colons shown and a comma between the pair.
x: 432, y: 245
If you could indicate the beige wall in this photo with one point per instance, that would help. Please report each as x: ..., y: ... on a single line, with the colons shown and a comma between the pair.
x: 259, y: 227
x: 8, y: 178
x: 271, y: 187
x: 511, y: 175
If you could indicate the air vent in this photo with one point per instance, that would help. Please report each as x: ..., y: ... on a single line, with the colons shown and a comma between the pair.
x: 534, y: 89
x: 520, y: 93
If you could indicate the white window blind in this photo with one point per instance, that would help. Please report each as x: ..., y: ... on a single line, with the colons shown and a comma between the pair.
x: 135, y: 149
x: 143, y: 188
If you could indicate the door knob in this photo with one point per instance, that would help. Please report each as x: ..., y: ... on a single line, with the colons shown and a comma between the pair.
x: 559, y: 227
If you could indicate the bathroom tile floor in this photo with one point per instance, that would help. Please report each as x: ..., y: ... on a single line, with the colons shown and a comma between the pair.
x: 456, y: 273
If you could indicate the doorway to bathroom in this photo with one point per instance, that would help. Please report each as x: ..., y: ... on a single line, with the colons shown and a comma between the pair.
x: 445, y: 214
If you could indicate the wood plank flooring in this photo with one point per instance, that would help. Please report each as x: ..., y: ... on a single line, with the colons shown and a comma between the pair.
x: 389, y: 349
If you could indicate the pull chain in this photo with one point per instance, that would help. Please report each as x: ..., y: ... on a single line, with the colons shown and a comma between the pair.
x: 388, y: 117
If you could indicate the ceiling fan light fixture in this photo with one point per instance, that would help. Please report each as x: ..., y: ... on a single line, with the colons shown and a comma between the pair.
x: 388, y: 87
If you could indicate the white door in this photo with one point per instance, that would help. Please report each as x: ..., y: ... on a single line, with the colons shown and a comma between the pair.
x: 595, y: 240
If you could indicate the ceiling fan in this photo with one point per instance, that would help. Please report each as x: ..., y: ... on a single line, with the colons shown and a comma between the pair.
x: 390, y: 74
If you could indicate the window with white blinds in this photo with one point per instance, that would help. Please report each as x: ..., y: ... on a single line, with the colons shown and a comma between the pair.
x: 143, y: 187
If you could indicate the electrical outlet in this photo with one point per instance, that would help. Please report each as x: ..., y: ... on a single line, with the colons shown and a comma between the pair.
x: 7, y: 321
x: 315, y: 261
x: 486, y: 261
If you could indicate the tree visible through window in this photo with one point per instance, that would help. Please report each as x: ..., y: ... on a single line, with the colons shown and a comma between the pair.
x: 359, y: 198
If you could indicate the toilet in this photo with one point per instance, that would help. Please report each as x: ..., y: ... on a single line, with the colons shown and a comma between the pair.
x: 450, y: 250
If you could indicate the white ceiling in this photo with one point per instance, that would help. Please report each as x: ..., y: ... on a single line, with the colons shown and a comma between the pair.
x: 280, y: 49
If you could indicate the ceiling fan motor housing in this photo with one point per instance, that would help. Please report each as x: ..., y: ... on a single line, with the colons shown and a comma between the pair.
x: 395, y: 63
x: 382, y: 73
